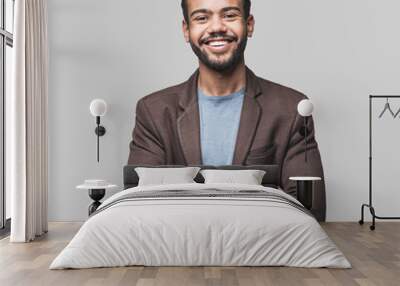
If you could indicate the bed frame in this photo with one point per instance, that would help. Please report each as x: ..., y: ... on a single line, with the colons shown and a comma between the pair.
x: 271, y: 177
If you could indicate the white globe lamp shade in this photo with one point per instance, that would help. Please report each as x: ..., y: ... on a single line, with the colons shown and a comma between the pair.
x: 305, y: 108
x: 98, y: 107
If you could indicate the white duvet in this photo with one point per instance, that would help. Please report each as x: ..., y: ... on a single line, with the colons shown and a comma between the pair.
x: 200, y: 231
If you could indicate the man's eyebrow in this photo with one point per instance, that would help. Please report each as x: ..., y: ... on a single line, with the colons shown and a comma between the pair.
x: 231, y: 8
x: 225, y: 9
x: 199, y: 11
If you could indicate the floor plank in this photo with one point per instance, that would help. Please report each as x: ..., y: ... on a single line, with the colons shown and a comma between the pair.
x: 374, y: 255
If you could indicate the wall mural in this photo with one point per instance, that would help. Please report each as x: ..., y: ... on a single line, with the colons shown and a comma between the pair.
x: 224, y: 114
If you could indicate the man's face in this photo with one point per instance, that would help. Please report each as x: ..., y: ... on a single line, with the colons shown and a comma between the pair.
x: 217, y: 32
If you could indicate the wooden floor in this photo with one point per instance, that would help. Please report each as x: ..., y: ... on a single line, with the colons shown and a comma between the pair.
x: 374, y: 255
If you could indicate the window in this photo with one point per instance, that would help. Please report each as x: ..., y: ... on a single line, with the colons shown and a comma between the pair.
x: 6, y: 62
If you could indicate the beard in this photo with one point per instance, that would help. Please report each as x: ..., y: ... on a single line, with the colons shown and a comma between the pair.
x: 221, y: 66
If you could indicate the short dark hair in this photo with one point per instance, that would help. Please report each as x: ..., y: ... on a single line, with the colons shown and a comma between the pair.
x: 246, y: 9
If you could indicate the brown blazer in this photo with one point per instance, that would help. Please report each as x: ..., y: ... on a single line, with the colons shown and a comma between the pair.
x: 167, y: 132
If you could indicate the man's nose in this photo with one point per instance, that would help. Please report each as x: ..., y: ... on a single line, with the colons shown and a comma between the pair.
x: 216, y: 25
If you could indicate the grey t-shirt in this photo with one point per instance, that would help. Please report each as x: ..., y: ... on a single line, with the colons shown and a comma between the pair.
x: 219, y: 124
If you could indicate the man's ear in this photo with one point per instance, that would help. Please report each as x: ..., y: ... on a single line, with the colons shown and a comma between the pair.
x: 185, y: 29
x: 250, y: 22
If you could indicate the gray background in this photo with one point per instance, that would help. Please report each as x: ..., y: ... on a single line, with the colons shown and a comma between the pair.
x: 337, y: 52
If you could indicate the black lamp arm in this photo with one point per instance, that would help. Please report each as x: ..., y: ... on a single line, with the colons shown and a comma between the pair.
x: 100, y: 131
x: 305, y: 136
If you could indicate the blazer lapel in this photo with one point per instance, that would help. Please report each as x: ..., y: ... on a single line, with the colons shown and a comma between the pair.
x: 249, y: 119
x: 188, y: 122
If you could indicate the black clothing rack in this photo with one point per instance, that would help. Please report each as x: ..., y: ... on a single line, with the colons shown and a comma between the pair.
x: 370, y: 206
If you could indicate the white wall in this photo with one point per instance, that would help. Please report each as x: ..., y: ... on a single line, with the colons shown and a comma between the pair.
x: 336, y: 52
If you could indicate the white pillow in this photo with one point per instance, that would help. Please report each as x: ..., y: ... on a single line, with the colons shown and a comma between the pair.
x: 248, y: 177
x: 163, y: 176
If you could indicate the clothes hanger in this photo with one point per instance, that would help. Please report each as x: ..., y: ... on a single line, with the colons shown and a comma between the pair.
x: 397, y: 113
x: 387, y: 107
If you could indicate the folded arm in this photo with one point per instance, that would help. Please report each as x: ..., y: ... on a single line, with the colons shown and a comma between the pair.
x: 145, y: 147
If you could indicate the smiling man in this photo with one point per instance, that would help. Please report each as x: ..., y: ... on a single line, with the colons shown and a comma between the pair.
x: 224, y: 114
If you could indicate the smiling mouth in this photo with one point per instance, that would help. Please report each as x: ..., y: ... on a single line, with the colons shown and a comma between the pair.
x: 218, y: 42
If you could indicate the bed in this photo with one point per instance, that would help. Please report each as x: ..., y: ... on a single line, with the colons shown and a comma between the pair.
x: 201, y: 224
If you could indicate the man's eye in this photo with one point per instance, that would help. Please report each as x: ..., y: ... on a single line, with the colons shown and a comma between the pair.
x: 201, y: 18
x: 230, y: 16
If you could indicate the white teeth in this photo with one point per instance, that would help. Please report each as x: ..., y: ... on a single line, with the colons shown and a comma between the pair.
x: 217, y: 43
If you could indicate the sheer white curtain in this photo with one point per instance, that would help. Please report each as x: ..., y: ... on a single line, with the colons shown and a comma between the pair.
x: 27, y: 122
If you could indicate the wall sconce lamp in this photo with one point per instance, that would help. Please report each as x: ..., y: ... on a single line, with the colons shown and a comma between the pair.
x: 98, y: 108
x: 305, y: 108
x: 305, y: 184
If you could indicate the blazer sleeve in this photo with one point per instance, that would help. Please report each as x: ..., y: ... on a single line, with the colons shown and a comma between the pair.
x: 146, y: 146
x: 294, y: 165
